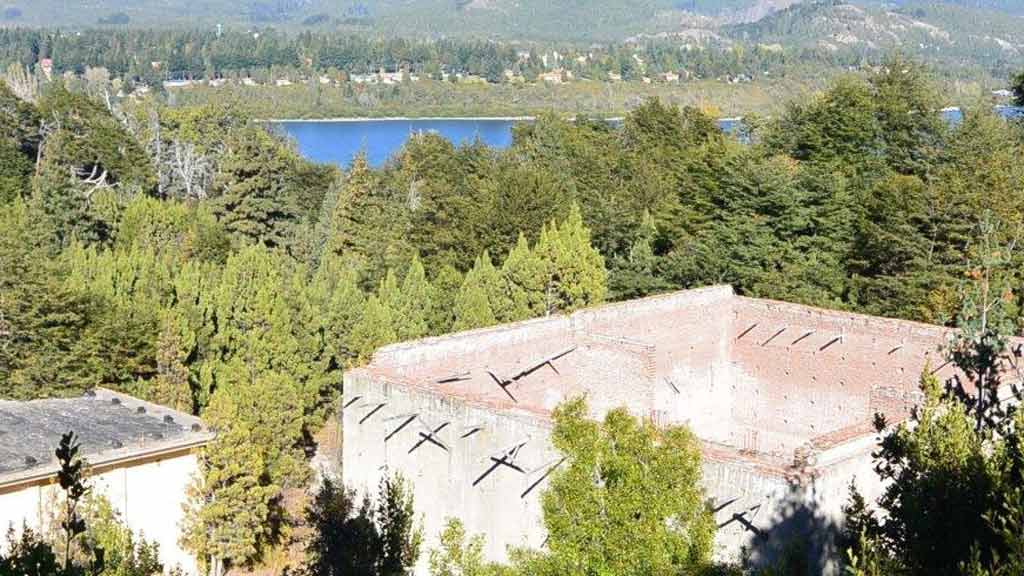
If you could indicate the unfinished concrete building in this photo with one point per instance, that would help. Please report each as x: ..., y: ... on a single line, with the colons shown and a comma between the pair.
x: 140, y: 456
x: 781, y: 396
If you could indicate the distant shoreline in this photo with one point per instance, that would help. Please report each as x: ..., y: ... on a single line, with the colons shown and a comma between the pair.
x: 356, y: 119
x: 399, y: 119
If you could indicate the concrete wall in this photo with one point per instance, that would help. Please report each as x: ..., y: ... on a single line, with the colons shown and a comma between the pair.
x: 825, y: 371
x: 781, y: 395
x: 149, y: 498
x: 385, y: 432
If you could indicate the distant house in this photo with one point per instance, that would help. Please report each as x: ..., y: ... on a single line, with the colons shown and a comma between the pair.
x: 141, y: 457
x: 670, y: 77
x: 178, y: 83
x: 615, y: 77
x: 283, y: 82
x: 46, y: 65
x: 552, y: 77
x: 248, y: 81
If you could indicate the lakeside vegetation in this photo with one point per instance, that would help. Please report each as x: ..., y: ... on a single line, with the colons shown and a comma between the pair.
x: 185, y: 255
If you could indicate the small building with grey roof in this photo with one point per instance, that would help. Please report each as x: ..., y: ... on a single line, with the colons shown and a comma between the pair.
x: 140, y: 456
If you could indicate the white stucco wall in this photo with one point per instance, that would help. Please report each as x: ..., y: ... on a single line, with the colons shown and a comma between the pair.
x: 148, y: 496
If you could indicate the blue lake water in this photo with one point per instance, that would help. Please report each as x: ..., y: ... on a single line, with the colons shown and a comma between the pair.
x: 339, y: 142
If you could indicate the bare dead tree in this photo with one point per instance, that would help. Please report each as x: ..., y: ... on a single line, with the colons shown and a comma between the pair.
x: 22, y: 82
x: 193, y: 168
x: 95, y: 178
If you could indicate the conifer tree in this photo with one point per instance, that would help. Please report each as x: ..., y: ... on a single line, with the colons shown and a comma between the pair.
x: 477, y: 299
x: 340, y: 303
x: 172, y: 386
x: 446, y: 285
x: 524, y: 275
x: 234, y: 510
x: 374, y: 329
x: 46, y: 326
x: 576, y: 276
x: 251, y: 198
x: 414, y: 303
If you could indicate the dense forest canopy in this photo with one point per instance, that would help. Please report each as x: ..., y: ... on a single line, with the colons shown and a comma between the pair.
x: 189, y: 256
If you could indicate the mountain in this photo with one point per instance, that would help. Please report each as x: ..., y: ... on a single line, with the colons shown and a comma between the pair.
x: 1008, y: 6
x: 508, y: 19
x: 979, y: 27
x: 940, y: 32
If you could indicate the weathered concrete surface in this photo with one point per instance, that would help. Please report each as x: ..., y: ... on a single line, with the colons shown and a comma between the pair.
x: 781, y: 395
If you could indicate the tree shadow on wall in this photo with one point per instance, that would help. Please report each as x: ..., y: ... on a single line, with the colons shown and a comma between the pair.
x: 800, y: 539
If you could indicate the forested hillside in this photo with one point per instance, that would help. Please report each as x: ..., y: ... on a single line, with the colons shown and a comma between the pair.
x: 946, y: 35
x: 522, y: 19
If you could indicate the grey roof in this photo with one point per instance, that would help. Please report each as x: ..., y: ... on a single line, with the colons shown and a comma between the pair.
x: 109, y: 425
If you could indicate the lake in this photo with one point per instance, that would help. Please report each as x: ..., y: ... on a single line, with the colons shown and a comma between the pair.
x: 338, y: 142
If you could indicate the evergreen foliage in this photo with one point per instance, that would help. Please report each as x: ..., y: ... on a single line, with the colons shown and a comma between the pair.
x: 362, y: 538
x: 951, y: 477
x: 1018, y: 89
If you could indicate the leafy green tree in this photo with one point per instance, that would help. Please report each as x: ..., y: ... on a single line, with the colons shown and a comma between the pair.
x: 907, y: 105
x: 400, y: 539
x: 458, y: 557
x: 124, y: 552
x: 627, y: 501
x: 371, y: 538
x: 637, y: 273
x: 840, y: 126
x: 961, y: 458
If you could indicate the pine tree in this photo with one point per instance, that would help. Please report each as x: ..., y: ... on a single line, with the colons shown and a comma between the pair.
x: 374, y: 329
x: 251, y: 197
x: 46, y: 326
x: 172, y: 387
x: 524, y: 275
x: 234, y: 513
x: 475, y: 304
x: 446, y: 285
x: 340, y: 303
x: 576, y: 276
x: 414, y: 303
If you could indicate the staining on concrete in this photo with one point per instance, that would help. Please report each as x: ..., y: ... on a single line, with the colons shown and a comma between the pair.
x: 781, y: 396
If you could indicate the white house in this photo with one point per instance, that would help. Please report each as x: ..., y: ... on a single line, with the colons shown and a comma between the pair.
x: 140, y: 456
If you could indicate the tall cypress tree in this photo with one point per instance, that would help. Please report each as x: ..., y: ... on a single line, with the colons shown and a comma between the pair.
x: 477, y: 299
x: 576, y: 275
